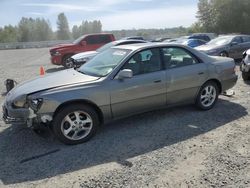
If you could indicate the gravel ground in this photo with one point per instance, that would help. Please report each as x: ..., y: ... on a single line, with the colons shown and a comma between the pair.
x: 177, y: 147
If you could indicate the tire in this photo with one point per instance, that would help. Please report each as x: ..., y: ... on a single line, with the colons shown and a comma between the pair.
x: 224, y: 54
x: 207, y: 96
x: 75, y: 124
x: 245, y: 76
x: 66, y: 63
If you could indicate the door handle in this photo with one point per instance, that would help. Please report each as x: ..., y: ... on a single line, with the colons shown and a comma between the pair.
x: 200, y: 73
x: 157, y: 81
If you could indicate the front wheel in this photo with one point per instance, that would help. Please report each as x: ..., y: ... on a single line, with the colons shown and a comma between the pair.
x: 67, y: 62
x: 207, y: 96
x: 75, y: 124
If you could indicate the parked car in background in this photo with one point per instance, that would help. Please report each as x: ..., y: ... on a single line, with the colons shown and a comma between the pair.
x: 60, y: 54
x: 203, y: 36
x: 189, y: 42
x: 245, y: 65
x: 133, y: 37
x: 171, y: 40
x: 161, y: 39
x: 79, y: 59
x: 119, y: 82
x: 227, y: 45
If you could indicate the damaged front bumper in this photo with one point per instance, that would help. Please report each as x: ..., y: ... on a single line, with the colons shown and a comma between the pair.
x: 24, y: 116
x: 17, y: 116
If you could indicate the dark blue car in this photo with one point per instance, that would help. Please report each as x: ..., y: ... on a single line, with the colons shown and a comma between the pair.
x: 189, y: 42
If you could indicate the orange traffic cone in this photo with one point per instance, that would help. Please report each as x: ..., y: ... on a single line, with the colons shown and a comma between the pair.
x: 42, y: 72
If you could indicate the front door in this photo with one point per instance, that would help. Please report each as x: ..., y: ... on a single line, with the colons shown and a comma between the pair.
x: 145, y: 90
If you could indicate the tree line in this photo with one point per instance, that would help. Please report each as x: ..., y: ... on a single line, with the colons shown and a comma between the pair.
x: 218, y: 16
x: 39, y: 29
x: 223, y: 16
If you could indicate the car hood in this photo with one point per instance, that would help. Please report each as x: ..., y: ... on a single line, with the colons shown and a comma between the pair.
x: 49, y: 81
x: 82, y: 55
x: 61, y: 46
x: 207, y: 47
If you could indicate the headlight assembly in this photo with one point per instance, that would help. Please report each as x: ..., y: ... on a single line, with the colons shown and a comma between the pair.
x: 55, y: 53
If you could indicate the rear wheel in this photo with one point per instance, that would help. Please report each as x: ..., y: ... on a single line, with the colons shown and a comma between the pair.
x: 75, y: 124
x: 207, y: 96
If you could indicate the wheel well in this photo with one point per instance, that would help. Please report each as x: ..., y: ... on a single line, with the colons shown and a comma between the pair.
x: 217, y: 82
x: 86, y: 102
x: 67, y: 55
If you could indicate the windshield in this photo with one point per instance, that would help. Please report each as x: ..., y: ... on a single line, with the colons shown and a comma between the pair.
x: 221, y: 40
x: 77, y: 41
x: 104, y: 63
x: 106, y: 46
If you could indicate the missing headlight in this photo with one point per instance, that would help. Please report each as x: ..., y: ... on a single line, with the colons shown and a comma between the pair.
x: 18, y: 104
x: 35, y: 104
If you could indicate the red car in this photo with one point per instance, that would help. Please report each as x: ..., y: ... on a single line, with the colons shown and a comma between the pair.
x: 60, y: 54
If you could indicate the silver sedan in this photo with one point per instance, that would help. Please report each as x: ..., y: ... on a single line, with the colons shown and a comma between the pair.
x: 119, y: 82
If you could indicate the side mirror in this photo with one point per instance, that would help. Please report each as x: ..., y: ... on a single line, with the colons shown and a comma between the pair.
x: 234, y: 43
x: 83, y: 43
x: 125, y: 73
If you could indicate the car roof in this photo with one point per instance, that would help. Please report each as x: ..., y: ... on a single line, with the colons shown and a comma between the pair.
x: 233, y: 35
x: 128, y: 40
x: 139, y: 46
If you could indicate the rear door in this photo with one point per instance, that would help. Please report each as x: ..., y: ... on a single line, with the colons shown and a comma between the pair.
x: 246, y: 42
x: 185, y: 74
x: 237, y: 49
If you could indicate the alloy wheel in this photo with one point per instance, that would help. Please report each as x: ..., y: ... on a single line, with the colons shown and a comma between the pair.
x: 76, y: 125
x: 208, y: 95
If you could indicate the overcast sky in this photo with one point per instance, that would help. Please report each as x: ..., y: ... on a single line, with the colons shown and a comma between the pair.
x: 114, y: 14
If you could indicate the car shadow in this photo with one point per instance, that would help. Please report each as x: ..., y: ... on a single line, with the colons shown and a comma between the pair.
x: 247, y: 82
x: 28, y: 157
x: 55, y: 69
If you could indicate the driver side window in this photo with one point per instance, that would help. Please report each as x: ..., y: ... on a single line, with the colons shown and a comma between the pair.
x: 143, y: 62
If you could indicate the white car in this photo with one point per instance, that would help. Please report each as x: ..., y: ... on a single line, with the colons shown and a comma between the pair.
x: 79, y: 59
x: 245, y: 66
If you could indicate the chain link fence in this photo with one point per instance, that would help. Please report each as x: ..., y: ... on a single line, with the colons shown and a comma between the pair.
x: 40, y: 44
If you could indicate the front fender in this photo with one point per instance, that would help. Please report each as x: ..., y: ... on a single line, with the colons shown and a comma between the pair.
x: 94, y: 94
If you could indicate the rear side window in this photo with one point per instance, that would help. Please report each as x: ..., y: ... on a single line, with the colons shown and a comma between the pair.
x: 103, y: 39
x: 201, y: 42
x: 246, y: 38
x: 92, y: 40
x: 237, y: 39
x: 177, y: 57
